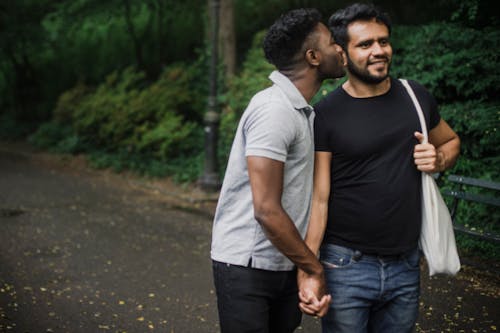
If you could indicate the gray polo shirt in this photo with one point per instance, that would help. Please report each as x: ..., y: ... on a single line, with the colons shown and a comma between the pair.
x: 277, y: 124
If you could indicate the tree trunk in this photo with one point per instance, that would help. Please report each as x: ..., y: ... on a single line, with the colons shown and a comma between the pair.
x: 227, y: 37
x: 133, y: 35
x: 26, y: 86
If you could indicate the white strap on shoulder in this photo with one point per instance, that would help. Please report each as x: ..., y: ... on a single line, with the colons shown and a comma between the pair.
x: 418, y: 108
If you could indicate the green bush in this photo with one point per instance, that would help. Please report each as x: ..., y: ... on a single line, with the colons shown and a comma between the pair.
x: 128, y: 123
x: 68, y: 102
x: 182, y: 169
x: 477, y: 125
x: 252, y: 78
x: 126, y: 114
x: 456, y: 63
x: 55, y: 137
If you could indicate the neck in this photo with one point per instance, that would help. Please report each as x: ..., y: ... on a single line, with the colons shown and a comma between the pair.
x: 306, y: 80
x: 360, y: 89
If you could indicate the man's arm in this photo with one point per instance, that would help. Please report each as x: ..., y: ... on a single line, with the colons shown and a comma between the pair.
x: 441, y: 152
x: 266, y: 180
x: 317, y: 223
x: 321, y: 195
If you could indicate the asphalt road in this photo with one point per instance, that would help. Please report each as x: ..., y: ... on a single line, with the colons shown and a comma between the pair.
x: 90, y: 251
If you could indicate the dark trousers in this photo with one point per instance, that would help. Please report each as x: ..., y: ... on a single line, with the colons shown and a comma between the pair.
x: 255, y: 300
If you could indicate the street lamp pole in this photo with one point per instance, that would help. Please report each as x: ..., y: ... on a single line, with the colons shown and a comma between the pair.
x: 210, y: 178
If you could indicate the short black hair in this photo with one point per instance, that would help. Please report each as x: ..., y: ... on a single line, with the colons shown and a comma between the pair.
x: 339, y: 21
x: 285, y: 38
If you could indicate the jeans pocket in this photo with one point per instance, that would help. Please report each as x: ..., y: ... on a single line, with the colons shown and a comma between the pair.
x: 335, y: 260
x: 412, y: 260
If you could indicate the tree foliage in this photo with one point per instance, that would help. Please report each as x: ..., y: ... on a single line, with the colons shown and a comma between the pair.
x: 102, y: 73
x: 457, y: 63
x: 47, y: 46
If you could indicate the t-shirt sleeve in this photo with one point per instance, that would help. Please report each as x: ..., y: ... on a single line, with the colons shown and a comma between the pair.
x: 320, y: 131
x: 435, y: 117
x: 269, y: 130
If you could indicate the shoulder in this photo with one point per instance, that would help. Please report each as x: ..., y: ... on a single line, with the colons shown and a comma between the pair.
x: 269, y: 95
x: 266, y: 103
x: 326, y: 103
x: 417, y: 87
x: 266, y: 113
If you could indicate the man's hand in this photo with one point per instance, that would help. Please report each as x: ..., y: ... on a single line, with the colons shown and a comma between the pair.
x: 313, y: 300
x: 427, y: 158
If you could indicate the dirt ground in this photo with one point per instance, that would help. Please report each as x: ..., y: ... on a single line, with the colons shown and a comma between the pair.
x: 85, y: 250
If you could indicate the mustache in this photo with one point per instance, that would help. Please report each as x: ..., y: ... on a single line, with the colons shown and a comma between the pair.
x: 377, y: 59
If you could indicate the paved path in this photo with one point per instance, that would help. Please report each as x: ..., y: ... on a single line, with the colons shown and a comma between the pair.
x: 89, y: 251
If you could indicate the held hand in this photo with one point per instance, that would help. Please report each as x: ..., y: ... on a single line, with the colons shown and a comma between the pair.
x: 310, y: 305
x: 313, y: 300
x: 426, y: 157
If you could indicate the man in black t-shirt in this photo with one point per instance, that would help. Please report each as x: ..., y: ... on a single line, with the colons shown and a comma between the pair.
x: 366, y: 212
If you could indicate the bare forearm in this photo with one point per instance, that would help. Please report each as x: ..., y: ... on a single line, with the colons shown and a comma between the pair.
x: 266, y: 179
x: 317, y: 225
x: 447, y: 145
x: 283, y: 234
x: 447, y: 154
x: 321, y: 195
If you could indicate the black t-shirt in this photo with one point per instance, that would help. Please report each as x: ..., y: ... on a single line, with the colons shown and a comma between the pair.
x: 375, y: 198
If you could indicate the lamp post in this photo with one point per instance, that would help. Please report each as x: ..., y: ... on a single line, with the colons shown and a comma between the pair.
x: 210, y: 178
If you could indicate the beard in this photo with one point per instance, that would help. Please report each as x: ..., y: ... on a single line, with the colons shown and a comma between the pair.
x: 338, y: 72
x: 333, y: 69
x: 364, y: 75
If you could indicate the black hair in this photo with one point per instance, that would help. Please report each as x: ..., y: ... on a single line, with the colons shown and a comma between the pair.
x: 339, y: 21
x: 286, y: 37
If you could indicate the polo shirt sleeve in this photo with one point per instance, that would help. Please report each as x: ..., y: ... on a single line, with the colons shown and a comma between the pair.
x: 269, y: 131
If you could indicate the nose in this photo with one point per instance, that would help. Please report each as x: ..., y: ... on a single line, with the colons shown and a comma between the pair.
x: 377, y: 49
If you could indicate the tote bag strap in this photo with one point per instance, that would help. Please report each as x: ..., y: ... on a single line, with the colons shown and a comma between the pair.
x: 417, y: 107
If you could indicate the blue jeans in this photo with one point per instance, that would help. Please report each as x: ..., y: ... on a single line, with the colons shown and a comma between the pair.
x: 370, y: 293
x: 256, y: 300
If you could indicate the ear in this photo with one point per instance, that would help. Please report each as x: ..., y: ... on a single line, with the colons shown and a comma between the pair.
x: 313, y: 57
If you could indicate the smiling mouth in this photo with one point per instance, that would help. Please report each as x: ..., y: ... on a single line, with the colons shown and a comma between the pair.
x: 381, y: 62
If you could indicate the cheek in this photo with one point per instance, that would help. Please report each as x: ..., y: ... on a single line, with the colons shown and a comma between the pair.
x: 358, y: 55
x: 387, y: 50
x: 357, y: 59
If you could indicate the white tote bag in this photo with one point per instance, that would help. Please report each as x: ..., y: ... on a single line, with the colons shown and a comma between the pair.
x: 437, y: 238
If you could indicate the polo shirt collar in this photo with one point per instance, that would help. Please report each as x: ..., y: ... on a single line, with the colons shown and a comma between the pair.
x: 290, y: 90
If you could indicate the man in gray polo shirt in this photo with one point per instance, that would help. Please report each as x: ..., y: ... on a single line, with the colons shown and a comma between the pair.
x: 265, y: 200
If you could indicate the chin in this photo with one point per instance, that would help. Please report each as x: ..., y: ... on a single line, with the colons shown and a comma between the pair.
x: 380, y: 74
x: 380, y: 77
